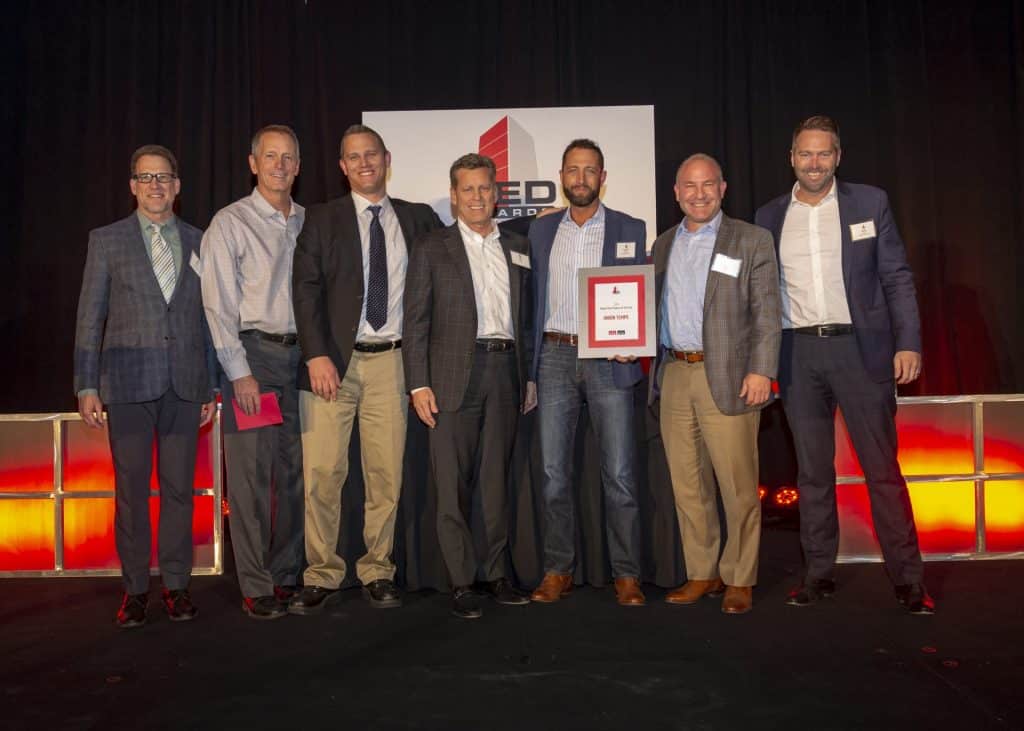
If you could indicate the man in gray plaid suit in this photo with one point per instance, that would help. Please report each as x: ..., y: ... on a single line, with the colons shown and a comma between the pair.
x: 717, y: 294
x: 468, y: 335
x: 141, y: 348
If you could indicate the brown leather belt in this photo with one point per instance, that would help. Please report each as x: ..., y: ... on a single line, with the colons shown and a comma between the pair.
x: 690, y: 356
x: 561, y: 338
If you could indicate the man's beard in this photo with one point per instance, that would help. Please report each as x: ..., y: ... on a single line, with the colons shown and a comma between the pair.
x: 580, y: 201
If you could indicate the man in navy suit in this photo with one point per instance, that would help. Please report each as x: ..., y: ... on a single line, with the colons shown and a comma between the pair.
x: 851, y: 332
x: 141, y: 348
x: 587, y: 235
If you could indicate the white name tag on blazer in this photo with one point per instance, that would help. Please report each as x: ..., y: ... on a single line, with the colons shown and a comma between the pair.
x: 197, y: 266
x: 625, y: 250
x: 521, y: 260
x: 863, y: 230
x: 726, y: 265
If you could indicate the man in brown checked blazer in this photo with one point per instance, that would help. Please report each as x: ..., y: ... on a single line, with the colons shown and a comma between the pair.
x: 717, y: 294
x: 468, y: 333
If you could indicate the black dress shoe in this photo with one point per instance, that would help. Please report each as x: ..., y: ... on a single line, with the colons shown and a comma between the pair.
x: 263, y: 607
x: 311, y: 600
x: 915, y: 598
x: 133, y: 611
x: 811, y: 591
x: 178, y: 604
x: 382, y: 594
x: 503, y: 592
x: 285, y: 592
x: 465, y: 604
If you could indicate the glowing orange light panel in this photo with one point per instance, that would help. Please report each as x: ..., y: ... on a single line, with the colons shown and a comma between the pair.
x: 26, y: 535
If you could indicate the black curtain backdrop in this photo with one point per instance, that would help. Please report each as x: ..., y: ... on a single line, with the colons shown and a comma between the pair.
x: 929, y: 95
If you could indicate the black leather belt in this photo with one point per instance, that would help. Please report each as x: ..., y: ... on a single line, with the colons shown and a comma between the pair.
x: 689, y: 356
x: 377, y: 347
x: 561, y: 338
x: 286, y: 339
x: 494, y: 345
x: 825, y: 331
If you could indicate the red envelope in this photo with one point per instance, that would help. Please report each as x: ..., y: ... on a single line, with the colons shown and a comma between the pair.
x: 270, y: 413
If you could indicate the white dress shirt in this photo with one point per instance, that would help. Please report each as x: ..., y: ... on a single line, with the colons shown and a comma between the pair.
x: 489, y: 270
x: 811, y: 264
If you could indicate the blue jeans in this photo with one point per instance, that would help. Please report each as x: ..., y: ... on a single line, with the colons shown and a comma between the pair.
x: 564, y: 384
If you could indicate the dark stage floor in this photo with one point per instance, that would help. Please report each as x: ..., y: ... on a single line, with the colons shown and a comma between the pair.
x: 854, y: 662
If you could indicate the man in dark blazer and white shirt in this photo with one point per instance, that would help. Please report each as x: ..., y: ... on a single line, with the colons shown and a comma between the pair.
x: 588, y: 234
x: 468, y: 340
x: 141, y: 348
x: 717, y: 295
x: 348, y: 283
x: 851, y: 332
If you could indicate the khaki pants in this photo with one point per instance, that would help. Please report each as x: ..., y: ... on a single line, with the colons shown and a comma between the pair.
x: 698, y: 437
x: 374, y: 387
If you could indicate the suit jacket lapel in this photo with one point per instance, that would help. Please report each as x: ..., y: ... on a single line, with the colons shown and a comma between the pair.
x: 513, y: 283
x: 612, y: 228
x: 457, y: 251
x: 346, y: 234
x: 406, y: 223
x: 722, y: 244
x: 846, y: 217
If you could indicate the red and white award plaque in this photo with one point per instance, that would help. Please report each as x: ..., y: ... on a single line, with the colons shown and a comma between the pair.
x: 616, y: 311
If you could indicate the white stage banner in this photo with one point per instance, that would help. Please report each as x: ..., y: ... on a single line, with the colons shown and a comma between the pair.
x: 526, y: 146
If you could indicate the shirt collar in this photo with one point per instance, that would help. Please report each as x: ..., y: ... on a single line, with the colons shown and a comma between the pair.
x: 471, y: 235
x: 829, y: 197
x: 171, y: 224
x: 362, y: 204
x: 711, y: 226
x: 596, y: 219
x: 266, y: 210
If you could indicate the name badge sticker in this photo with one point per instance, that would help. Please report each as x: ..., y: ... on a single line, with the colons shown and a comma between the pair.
x: 520, y: 259
x: 862, y: 230
x: 726, y: 265
x: 197, y: 266
x: 625, y: 250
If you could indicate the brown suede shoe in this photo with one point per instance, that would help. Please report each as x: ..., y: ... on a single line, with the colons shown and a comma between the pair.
x: 627, y: 592
x: 692, y: 591
x: 552, y: 588
x: 738, y: 599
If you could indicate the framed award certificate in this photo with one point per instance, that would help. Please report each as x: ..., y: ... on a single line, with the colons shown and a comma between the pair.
x: 616, y: 311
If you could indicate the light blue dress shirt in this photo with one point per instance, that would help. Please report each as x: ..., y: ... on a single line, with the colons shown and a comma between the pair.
x: 686, y: 280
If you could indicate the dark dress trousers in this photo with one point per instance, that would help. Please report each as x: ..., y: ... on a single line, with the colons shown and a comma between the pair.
x: 854, y: 372
x: 478, y: 392
x: 151, y: 362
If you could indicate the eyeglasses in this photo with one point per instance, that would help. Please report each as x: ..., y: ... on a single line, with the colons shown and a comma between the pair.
x: 162, y: 178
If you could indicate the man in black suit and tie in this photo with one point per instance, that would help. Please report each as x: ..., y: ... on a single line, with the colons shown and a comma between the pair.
x: 468, y: 336
x: 348, y: 283
x: 851, y: 332
x: 141, y: 348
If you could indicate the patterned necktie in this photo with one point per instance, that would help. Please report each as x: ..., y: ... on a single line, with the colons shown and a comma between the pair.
x: 377, y: 281
x: 163, y: 262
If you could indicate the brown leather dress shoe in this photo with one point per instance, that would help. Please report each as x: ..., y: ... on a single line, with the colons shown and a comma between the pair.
x: 738, y: 599
x: 552, y: 588
x: 628, y: 593
x: 692, y: 591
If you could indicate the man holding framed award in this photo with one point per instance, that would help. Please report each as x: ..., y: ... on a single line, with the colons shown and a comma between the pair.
x: 587, y: 235
x: 717, y: 289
